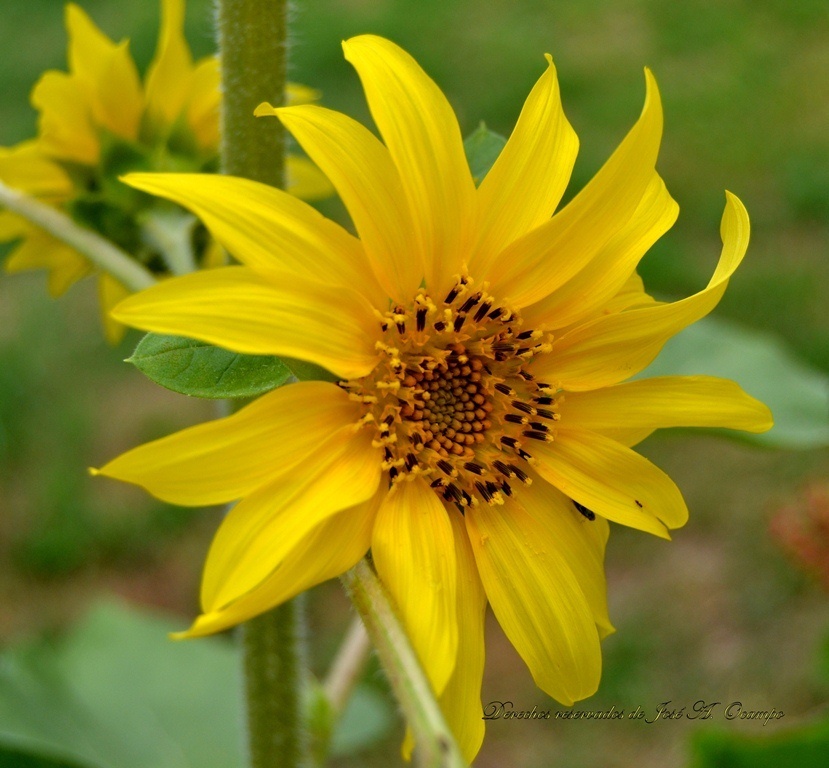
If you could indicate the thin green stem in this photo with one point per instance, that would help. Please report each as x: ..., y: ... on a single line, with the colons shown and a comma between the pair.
x: 347, y: 666
x: 100, y: 251
x: 435, y: 746
x: 252, y: 35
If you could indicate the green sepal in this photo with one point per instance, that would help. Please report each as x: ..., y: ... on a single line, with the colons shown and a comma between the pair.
x: 195, y: 368
x: 482, y: 148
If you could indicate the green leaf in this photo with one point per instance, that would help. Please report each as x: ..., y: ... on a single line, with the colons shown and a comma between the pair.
x: 804, y: 747
x: 116, y: 693
x: 367, y: 719
x: 202, y: 370
x: 797, y: 395
x: 482, y: 148
x: 306, y: 371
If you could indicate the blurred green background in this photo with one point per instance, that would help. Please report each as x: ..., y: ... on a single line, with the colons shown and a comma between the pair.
x: 720, y: 613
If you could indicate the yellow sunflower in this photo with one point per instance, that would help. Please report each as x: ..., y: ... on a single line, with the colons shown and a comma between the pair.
x: 98, y: 121
x: 478, y: 439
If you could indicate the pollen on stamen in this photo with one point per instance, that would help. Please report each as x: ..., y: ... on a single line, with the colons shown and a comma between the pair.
x: 451, y: 400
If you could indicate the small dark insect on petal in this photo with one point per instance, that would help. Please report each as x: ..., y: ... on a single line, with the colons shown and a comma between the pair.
x: 588, y: 513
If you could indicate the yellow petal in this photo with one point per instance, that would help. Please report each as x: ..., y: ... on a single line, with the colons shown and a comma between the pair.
x: 631, y: 295
x: 366, y: 179
x: 613, y: 348
x: 41, y: 251
x: 229, y: 458
x: 461, y: 699
x: 110, y: 293
x: 108, y: 74
x: 268, y: 229
x: 65, y: 121
x: 27, y: 168
x: 544, y: 259
x: 537, y: 600
x: 581, y: 542
x: 612, y: 480
x: 413, y: 548
x: 330, y: 549
x: 171, y: 70
x: 305, y: 180
x: 606, y: 274
x: 669, y: 401
x: 237, y: 309
x: 420, y: 129
x: 529, y: 177
x: 203, y: 103
x: 266, y: 526
x: 296, y: 93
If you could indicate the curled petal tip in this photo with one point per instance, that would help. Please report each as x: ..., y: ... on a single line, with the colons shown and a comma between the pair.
x: 265, y: 110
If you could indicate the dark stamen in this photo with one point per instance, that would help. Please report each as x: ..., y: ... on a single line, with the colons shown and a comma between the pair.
x: 505, y: 389
x: 421, y: 318
x: 470, y: 302
x: 535, y: 435
x: 485, y: 494
x: 452, y: 492
x: 502, y: 468
x: 474, y: 467
x: 519, y: 473
x: 482, y: 310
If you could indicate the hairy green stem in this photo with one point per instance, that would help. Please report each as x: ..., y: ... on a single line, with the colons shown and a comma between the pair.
x: 435, y: 746
x: 100, y: 251
x: 252, y: 36
x: 252, y: 41
x: 273, y: 669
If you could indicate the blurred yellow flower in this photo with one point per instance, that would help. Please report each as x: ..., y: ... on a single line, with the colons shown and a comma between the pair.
x: 98, y: 121
x: 478, y: 439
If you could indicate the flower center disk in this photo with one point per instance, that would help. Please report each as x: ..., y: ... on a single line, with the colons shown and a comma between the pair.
x: 452, y: 400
